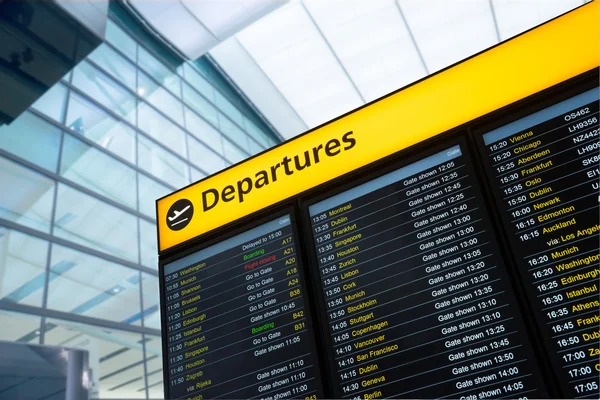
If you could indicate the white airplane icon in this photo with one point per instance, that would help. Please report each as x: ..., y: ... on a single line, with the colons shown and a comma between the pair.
x: 177, y: 214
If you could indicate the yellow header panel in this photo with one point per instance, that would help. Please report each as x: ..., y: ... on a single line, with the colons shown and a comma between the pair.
x: 543, y: 57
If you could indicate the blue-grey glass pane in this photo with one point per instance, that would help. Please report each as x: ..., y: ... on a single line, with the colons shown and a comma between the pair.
x: 151, y: 301
x: 26, y: 196
x: 52, y: 103
x: 194, y: 78
x: 115, y: 64
x: 160, y: 98
x: 19, y: 136
x: 148, y: 247
x: 90, y: 222
x: 159, y: 71
x: 197, y: 175
x: 255, y: 148
x: 22, y: 268
x: 150, y: 190
x: 229, y: 109
x: 92, y: 122
x: 154, y: 367
x: 233, y: 153
x: 156, y: 388
x: 203, y: 157
x: 161, y: 163
x: 200, y: 105
x: 256, y: 133
x: 98, y: 171
x: 67, y: 77
x: 161, y: 128
x: 233, y: 132
x: 118, y: 38
x: 115, y: 357
x: 204, y: 131
x: 96, y: 287
x: 17, y: 327
x: 104, y: 90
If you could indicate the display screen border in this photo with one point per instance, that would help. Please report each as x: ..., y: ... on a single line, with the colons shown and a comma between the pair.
x: 397, y: 161
x: 206, y: 241
x: 514, y: 112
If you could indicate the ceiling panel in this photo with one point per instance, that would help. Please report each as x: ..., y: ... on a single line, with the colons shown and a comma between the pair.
x: 327, y: 57
x: 516, y: 16
x: 290, y: 49
x: 447, y: 31
x: 372, y: 42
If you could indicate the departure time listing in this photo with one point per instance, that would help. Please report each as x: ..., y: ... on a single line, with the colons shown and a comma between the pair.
x: 545, y: 169
x: 237, y: 320
x: 417, y: 301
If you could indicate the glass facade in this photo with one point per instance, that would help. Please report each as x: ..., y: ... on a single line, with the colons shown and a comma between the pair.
x: 79, y: 175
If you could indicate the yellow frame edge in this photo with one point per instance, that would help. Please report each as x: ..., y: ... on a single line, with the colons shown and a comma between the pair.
x: 543, y: 57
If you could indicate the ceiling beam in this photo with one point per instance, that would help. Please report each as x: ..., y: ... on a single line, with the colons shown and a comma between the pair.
x: 491, y: 2
x: 333, y: 52
x: 412, y: 37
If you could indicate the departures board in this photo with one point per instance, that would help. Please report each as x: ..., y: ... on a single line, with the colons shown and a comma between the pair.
x: 442, y: 241
x: 544, y: 172
x: 416, y: 296
x: 237, y: 321
x: 399, y: 283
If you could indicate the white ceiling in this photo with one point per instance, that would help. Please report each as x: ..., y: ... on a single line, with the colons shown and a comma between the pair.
x: 326, y: 57
x: 195, y: 26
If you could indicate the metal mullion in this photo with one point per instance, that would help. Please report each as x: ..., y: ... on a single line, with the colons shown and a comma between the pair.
x: 157, y: 110
x: 137, y: 175
x: 196, y: 166
x: 159, y: 57
x: 139, y: 42
x: 113, y: 47
x: 79, y: 136
x: 187, y: 146
x: 75, y: 185
x: 95, y: 145
x: 77, y: 318
x: 254, y: 140
x: 113, y: 79
x: 223, y: 93
x: 218, y: 109
x: 244, y: 98
x: 218, y: 129
x: 46, y: 288
x: 210, y: 123
x: 184, y: 128
x: 120, y: 118
x: 111, y: 76
x: 76, y: 246
x: 136, y: 62
x: 145, y: 357
x: 156, y: 82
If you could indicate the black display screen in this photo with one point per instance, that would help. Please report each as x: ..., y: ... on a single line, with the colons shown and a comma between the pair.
x: 237, y: 321
x: 544, y: 169
x: 415, y: 295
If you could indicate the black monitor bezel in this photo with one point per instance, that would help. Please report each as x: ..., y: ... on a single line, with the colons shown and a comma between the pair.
x: 470, y: 133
